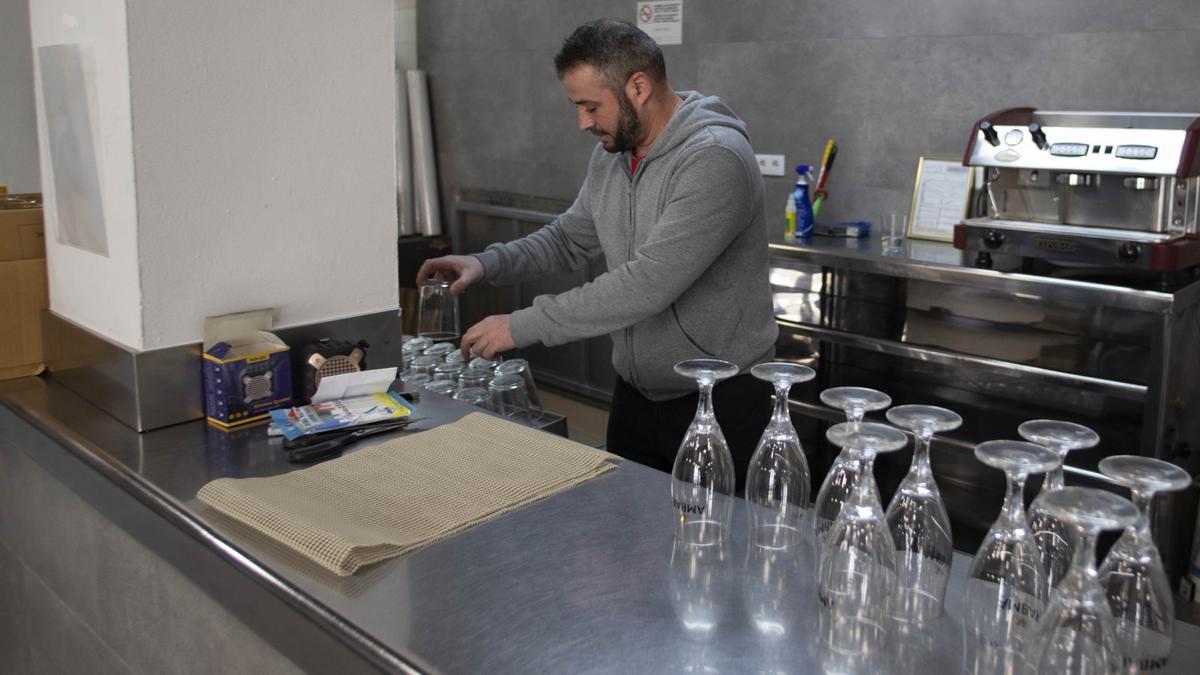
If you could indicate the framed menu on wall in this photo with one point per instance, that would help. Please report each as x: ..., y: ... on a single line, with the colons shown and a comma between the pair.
x: 940, y: 198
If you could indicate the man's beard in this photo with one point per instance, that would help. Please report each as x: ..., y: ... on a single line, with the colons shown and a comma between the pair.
x: 629, y: 127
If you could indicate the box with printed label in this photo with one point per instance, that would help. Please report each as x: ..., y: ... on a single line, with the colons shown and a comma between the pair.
x: 247, y: 369
x: 23, y: 290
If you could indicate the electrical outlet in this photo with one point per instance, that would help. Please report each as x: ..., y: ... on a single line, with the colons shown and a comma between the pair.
x: 770, y: 165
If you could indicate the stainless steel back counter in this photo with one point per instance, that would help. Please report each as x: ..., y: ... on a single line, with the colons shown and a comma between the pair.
x: 589, y: 580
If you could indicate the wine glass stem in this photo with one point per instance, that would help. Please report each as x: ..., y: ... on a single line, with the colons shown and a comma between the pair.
x: 782, y: 418
x: 1144, y: 501
x: 862, y: 490
x: 855, y: 414
x: 921, y: 453
x: 1014, y: 507
x: 704, y: 408
x: 1054, y: 479
x: 1083, y: 562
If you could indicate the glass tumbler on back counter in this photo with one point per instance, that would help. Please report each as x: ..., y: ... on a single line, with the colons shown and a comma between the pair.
x: 893, y: 227
x: 702, y: 479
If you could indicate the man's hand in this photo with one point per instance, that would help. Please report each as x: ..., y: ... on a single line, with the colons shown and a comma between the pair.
x: 463, y: 270
x: 488, y: 337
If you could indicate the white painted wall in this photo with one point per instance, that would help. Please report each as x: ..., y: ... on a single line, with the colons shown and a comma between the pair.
x: 262, y: 146
x: 18, y: 126
x: 101, y: 293
x: 406, y: 34
x: 264, y: 155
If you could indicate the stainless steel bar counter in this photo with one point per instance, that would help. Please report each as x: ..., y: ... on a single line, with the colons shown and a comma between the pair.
x: 589, y: 580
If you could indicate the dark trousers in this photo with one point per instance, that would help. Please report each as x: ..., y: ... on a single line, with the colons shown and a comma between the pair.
x: 649, y: 432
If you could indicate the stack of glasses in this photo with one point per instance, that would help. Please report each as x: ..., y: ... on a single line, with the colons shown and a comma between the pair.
x: 1034, y: 600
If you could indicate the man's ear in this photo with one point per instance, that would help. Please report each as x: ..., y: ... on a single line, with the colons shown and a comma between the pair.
x: 639, y: 87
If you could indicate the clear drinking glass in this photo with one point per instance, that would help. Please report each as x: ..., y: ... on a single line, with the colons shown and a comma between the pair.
x: 702, y: 479
x: 892, y: 229
x: 424, y: 365
x: 1006, y: 585
x: 484, y: 364
x: 455, y: 356
x: 1052, y: 535
x: 839, y: 482
x: 475, y: 377
x: 415, y: 381
x: 439, y: 349
x: 447, y: 371
x: 509, y: 398
x: 443, y: 387
x: 1076, y: 635
x: 476, y: 396
x: 521, y: 367
x: 437, y: 311
x: 1132, y: 574
x: 918, y: 521
x: 413, y: 347
x: 777, y: 480
x: 858, y: 562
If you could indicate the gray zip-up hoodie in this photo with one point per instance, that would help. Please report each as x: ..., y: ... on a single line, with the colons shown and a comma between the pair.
x: 685, y: 243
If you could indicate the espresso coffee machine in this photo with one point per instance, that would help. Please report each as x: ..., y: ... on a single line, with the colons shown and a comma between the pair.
x: 1086, y: 194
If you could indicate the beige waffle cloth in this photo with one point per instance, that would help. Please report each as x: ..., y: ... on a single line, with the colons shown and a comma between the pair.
x: 403, y: 494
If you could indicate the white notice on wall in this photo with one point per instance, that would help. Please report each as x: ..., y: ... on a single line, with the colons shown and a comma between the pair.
x: 662, y: 21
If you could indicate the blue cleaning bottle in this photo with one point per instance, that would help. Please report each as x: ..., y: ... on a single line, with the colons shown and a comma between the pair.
x: 804, y: 212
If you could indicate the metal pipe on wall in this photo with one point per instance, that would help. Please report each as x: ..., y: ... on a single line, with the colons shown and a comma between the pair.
x: 429, y: 220
x: 405, y: 202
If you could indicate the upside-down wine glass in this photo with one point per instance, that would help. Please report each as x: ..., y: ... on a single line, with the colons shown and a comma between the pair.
x: 777, y: 480
x: 858, y: 563
x: 1076, y: 635
x: 1054, y: 537
x: 918, y: 521
x: 839, y: 482
x: 1132, y: 574
x: 1006, y: 584
x: 702, y: 478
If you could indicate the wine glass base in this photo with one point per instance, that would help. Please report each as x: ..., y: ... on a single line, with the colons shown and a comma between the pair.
x: 776, y: 536
x: 915, y: 605
x: 701, y: 532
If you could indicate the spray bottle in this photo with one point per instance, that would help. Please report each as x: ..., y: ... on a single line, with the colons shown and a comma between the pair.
x: 801, y: 202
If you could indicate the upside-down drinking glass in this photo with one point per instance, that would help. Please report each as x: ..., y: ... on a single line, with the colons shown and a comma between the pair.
x: 1054, y: 537
x: 857, y: 578
x: 437, y: 311
x: 918, y: 521
x: 1006, y: 584
x: 702, y: 478
x: 839, y: 482
x: 1076, y: 635
x: 778, y: 481
x: 1132, y: 574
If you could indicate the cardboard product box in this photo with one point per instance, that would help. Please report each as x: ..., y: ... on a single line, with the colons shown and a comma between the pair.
x: 247, y: 369
x: 24, y: 292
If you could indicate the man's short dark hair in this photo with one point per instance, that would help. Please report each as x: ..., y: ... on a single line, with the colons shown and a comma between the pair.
x: 615, y: 48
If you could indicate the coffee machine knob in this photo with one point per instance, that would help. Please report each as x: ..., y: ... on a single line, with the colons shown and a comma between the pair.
x: 983, y: 260
x: 993, y: 239
x: 1038, y: 136
x: 989, y: 133
x: 1129, y: 252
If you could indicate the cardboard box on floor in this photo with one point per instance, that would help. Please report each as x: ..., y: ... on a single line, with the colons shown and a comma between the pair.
x: 24, y: 292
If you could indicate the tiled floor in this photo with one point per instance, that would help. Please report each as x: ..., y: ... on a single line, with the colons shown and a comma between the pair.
x: 586, y: 420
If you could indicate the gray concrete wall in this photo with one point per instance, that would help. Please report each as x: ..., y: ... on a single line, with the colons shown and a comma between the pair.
x: 890, y: 80
x: 18, y: 123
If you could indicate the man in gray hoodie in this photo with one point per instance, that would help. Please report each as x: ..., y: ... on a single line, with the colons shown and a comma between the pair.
x: 673, y: 199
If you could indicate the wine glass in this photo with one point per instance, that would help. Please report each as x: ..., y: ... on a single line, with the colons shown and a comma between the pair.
x: 1076, y: 635
x: 1051, y: 534
x: 1006, y: 584
x: 858, y: 562
x: 778, y: 481
x: 1132, y: 574
x: 838, y: 483
x: 702, y: 478
x: 918, y: 521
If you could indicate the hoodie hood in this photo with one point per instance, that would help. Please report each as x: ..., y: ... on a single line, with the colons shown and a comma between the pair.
x: 695, y: 112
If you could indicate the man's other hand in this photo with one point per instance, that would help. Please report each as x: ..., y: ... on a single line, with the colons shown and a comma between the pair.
x: 488, y: 338
x: 463, y: 270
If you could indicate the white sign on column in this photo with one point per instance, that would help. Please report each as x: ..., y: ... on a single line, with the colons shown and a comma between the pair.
x: 662, y: 21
